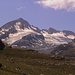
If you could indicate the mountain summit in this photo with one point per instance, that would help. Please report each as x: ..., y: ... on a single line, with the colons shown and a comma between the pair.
x: 52, y: 30
x: 19, y: 31
x: 18, y: 22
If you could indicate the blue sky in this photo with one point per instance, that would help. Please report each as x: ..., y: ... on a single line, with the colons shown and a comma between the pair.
x: 40, y: 13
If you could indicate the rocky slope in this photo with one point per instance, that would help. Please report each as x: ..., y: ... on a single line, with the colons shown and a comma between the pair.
x: 65, y: 49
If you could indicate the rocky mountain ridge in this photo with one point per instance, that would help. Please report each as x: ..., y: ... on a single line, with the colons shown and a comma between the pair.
x: 20, y: 33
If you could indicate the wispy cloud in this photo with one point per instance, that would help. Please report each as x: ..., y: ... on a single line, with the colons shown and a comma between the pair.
x: 68, y: 5
x: 20, y: 8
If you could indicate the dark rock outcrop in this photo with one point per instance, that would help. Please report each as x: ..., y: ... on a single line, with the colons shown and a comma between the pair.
x: 52, y: 30
x: 1, y: 45
x: 0, y: 65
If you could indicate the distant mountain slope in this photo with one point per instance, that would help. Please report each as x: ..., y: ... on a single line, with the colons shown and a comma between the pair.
x: 68, y: 32
x: 65, y: 49
x: 33, y: 41
x: 20, y: 33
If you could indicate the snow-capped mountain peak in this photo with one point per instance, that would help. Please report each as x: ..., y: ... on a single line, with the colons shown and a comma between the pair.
x: 18, y: 30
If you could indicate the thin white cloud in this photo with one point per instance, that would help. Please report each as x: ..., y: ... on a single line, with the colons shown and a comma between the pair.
x: 68, y: 5
x: 22, y: 7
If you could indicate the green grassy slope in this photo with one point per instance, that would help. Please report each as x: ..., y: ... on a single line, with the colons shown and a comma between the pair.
x: 20, y: 62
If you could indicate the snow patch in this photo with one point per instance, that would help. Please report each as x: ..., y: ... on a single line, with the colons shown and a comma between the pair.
x: 71, y: 36
x: 18, y: 23
x: 34, y: 28
x: 17, y: 26
x: 55, y: 38
x: 45, y: 33
x: 21, y: 33
x: 58, y: 34
x: 2, y: 31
